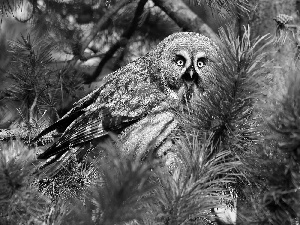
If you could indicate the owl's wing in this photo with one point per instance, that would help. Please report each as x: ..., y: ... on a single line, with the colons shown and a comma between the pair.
x: 82, y: 130
x: 73, y: 114
x: 132, y: 105
x: 126, y: 97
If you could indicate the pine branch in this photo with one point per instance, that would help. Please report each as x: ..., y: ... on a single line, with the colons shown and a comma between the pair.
x: 122, y: 191
x: 199, y: 183
x: 20, y: 200
x: 229, y: 6
x: 121, y: 43
x: 101, y: 23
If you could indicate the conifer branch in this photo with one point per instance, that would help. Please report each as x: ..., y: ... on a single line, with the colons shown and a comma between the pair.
x: 122, y: 190
x: 198, y: 183
x: 101, y: 23
x: 230, y: 7
x: 121, y: 43
x: 20, y: 200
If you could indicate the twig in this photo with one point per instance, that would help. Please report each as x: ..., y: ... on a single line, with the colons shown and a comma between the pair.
x: 97, y: 55
x: 121, y: 43
x: 31, y: 110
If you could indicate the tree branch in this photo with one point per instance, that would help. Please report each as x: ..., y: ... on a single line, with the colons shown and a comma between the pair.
x: 101, y: 23
x: 185, y: 18
x: 121, y: 43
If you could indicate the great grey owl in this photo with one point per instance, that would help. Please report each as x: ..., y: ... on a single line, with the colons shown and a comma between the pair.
x: 134, y: 101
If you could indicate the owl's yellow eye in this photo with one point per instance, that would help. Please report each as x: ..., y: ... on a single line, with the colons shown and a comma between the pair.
x: 201, y: 62
x: 180, y: 60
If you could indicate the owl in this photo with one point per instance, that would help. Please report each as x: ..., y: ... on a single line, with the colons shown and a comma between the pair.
x: 134, y: 102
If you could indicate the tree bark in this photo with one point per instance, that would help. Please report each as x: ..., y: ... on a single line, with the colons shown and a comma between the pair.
x: 185, y: 18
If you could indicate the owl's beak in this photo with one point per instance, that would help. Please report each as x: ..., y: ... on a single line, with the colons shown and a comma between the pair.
x: 191, y: 73
x: 190, y: 76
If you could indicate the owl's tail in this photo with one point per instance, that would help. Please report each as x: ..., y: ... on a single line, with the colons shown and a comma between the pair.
x: 62, y: 162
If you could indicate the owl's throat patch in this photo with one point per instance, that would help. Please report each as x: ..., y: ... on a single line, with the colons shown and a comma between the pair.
x: 191, y: 85
x: 188, y: 92
x: 190, y: 76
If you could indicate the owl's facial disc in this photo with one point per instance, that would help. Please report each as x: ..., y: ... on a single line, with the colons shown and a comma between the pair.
x: 192, y: 65
x: 189, y: 83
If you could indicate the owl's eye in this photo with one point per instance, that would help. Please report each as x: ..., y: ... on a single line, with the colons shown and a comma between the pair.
x: 201, y: 62
x: 180, y: 60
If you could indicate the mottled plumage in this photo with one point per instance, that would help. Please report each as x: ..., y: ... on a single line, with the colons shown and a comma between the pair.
x: 134, y: 101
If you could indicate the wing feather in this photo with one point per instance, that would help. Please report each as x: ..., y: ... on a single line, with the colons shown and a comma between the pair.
x: 73, y: 114
x: 84, y: 129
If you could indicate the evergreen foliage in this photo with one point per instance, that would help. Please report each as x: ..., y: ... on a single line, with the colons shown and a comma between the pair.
x: 38, y: 82
x: 234, y: 144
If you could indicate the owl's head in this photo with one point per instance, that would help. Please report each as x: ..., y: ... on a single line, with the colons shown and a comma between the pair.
x: 183, y: 63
